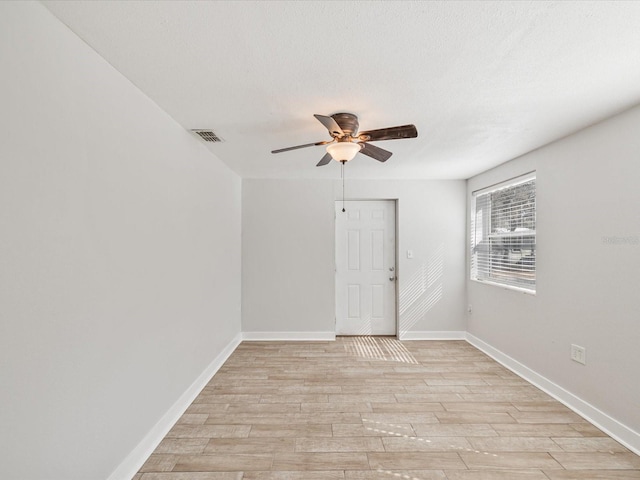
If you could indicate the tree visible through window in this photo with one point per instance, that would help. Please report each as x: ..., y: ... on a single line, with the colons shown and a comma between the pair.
x: 503, y: 234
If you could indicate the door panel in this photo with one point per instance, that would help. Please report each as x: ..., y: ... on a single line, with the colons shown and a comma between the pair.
x: 365, y: 268
x: 353, y: 250
x: 354, y: 301
x: 377, y: 250
x: 377, y: 303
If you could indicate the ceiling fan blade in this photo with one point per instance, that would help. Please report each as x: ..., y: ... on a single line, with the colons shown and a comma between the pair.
x: 324, y: 160
x: 331, y: 125
x: 377, y: 153
x: 390, y: 133
x: 299, y: 146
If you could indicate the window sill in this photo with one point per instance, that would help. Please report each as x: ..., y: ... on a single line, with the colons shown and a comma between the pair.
x: 505, y: 287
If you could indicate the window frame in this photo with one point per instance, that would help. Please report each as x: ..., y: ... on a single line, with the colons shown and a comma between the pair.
x: 473, y: 231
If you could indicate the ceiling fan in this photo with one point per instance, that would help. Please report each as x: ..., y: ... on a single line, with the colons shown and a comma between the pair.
x: 346, y: 142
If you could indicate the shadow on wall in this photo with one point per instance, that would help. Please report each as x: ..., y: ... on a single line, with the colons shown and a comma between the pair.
x: 422, y: 291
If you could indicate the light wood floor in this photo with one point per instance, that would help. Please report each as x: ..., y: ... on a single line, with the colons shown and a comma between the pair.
x: 365, y: 408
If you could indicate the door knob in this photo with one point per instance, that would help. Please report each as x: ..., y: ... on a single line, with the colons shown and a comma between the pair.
x: 392, y: 278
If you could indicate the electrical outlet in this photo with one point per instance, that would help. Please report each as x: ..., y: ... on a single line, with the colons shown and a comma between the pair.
x: 409, y: 253
x: 470, y: 308
x: 579, y: 354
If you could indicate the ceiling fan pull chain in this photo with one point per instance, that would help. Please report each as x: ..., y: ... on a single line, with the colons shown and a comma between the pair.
x: 342, y: 175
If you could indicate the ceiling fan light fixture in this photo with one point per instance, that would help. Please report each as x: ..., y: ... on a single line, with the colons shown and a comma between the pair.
x: 343, y: 151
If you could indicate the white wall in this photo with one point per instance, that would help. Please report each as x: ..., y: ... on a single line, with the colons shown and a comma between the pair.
x: 119, y: 256
x: 587, y: 288
x: 288, y: 236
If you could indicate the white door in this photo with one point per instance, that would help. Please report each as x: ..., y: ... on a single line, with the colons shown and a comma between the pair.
x: 366, y: 268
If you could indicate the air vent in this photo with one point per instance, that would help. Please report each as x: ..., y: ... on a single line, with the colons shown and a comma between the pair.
x: 208, y: 136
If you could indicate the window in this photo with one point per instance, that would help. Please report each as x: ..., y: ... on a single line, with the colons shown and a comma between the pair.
x: 503, y: 234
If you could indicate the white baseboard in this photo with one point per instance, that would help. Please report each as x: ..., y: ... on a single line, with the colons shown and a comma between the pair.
x: 130, y: 466
x: 432, y: 335
x: 623, y: 434
x: 290, y: 336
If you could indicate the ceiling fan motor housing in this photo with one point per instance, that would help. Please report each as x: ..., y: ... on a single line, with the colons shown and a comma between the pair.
x: 348, y: 122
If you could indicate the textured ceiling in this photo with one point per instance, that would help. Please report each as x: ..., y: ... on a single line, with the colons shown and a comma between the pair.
x: 484, y: 82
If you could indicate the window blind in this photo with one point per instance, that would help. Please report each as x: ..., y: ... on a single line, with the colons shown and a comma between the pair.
x: 503, y: 234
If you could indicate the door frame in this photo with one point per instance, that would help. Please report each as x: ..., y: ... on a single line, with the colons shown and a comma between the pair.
x: 396, y: 251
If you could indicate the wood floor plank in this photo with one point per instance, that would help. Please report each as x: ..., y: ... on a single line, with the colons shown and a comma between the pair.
x: 291, y: 430
x: 514, y: 444
x: 594, y: 460
x: 182, y: 445
x: 380, y: 474
x: 590, y: 444
x: 159, y: 462
x: 531, y: 474
x: 592, y: 474
x: 193, y: 418
x: 482, y: 460
x: 535, y: 430
x: 320, y: 461
x: 288, y: 475
x: 422, y: 444
x: 453, y: 430
x: 339, y: 444
x: 192, y: 476
x: 253, y: 445
x: 415, y: 461
x: 371, y: 430
x: 461, y: 418
x: 209, y: 431
x: 384, y: 420
x: 223, y: 462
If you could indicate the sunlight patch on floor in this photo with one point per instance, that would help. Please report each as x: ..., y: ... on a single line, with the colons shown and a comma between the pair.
x: 379, y: 348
